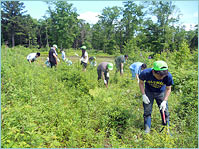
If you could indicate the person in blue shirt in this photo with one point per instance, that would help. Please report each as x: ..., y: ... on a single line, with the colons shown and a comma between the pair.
x: 136, y: 68
x: 155, y: 83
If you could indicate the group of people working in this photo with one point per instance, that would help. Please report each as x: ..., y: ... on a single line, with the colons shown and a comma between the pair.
x: 154, y: 83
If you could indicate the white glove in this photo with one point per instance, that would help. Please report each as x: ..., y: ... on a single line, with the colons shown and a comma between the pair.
x: 105, y: 82
x: 107, y: 74
x: 58, y: 60
x: 138, y: 80
x: 122, y: 71
x: 163, y: 105
x: 145, y: 99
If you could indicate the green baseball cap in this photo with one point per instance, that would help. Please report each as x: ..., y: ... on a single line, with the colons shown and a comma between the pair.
x: 160, y: 65
x: 110, y: 66
x: 83, y: 47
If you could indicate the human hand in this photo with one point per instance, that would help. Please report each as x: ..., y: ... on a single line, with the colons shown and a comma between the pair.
x: 163, y: 105
x: 105, y: 82
x: 145, y: 99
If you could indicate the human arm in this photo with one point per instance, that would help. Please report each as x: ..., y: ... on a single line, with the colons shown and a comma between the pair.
x: 167, y: 93
x: 141, y: 85
x: 122, y: 70
x: 55, y: 57
x: 144, y: 97
x: 103, y: 77
x: 137, y: 77
x: 29, y: 61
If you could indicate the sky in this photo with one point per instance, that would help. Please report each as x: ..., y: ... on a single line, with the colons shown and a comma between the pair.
x: 89, y: 10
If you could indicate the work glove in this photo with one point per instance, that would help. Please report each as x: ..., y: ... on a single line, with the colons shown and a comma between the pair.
x: 105, y: 82
x: 145, y: 99
x: 163, y: 105
x: 122, y: 71
x: 107, y: 75
x: 138, y: 81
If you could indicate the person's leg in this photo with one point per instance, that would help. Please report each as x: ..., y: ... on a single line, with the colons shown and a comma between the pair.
x: 159, y: 98
x: 99, y: 74
x: 133, y: 73
x: 85, y: 65
x: 120, y: 68
x: 148, y: 111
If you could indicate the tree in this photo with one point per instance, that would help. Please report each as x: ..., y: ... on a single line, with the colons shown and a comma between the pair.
x: 108, y: 21
x: 132, y: 19
x: 160, y: 32
x: 11, y: 13
x: 63, y: 24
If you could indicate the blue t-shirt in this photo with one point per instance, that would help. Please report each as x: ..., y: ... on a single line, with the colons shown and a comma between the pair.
x: 154, y: 85
x: 136, y: 67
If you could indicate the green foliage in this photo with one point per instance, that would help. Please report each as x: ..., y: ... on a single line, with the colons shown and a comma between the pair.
x: 182, y: 56
x: 68, y: 108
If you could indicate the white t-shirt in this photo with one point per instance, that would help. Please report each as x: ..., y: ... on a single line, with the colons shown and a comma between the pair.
x: 31, y: 56
x: 85, y: 60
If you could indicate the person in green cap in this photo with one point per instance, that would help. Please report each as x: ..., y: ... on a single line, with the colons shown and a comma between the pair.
x: 103, y: 71
x: 155, y: 83
x: 84, y: 58
x: 92, y: 61
x: 119, y: 61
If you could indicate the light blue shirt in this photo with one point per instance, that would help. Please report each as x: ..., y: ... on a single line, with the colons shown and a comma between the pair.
x: 136, y: 67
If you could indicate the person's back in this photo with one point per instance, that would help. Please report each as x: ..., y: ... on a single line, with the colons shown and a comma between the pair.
x: 135, y: 65
x: 119, y: 60
x: 102, y: 66
x: 51, y: 57
x: 31, y: 56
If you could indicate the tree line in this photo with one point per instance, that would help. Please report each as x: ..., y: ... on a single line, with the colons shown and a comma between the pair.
x: 119, y: 29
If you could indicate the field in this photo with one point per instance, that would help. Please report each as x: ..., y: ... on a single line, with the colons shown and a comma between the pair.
x: 67, y: 108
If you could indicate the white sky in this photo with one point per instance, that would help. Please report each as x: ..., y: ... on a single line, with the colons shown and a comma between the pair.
x: 89, y: 10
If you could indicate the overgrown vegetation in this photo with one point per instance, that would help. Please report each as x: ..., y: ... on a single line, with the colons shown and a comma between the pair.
x: 68, y: 108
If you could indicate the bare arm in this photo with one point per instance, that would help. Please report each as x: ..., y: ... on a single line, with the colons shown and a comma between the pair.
x: 137, y: 76
x: 141, y: 85
x: 103, y: 77
x: 122, y: 65
x: 167, y: 93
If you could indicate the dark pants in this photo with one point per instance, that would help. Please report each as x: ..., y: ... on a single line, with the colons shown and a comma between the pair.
x: 31, y: 60
x: 84, y: 64
x: 52, y: 64
x: 99, y: 73
x: 148, y: 107
x: 118, y: 67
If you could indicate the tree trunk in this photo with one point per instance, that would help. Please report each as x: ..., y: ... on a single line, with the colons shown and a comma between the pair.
x: 13, y: 39
x: 47, y: 38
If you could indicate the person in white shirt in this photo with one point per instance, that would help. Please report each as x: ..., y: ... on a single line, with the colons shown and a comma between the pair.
x: 32, y: 57
x: 84, y: 58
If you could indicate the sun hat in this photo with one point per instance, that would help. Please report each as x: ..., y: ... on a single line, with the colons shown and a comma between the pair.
x: 160, y: 65
x: 110, y: 66
x: 55, y: 46
x: 83, y: 47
